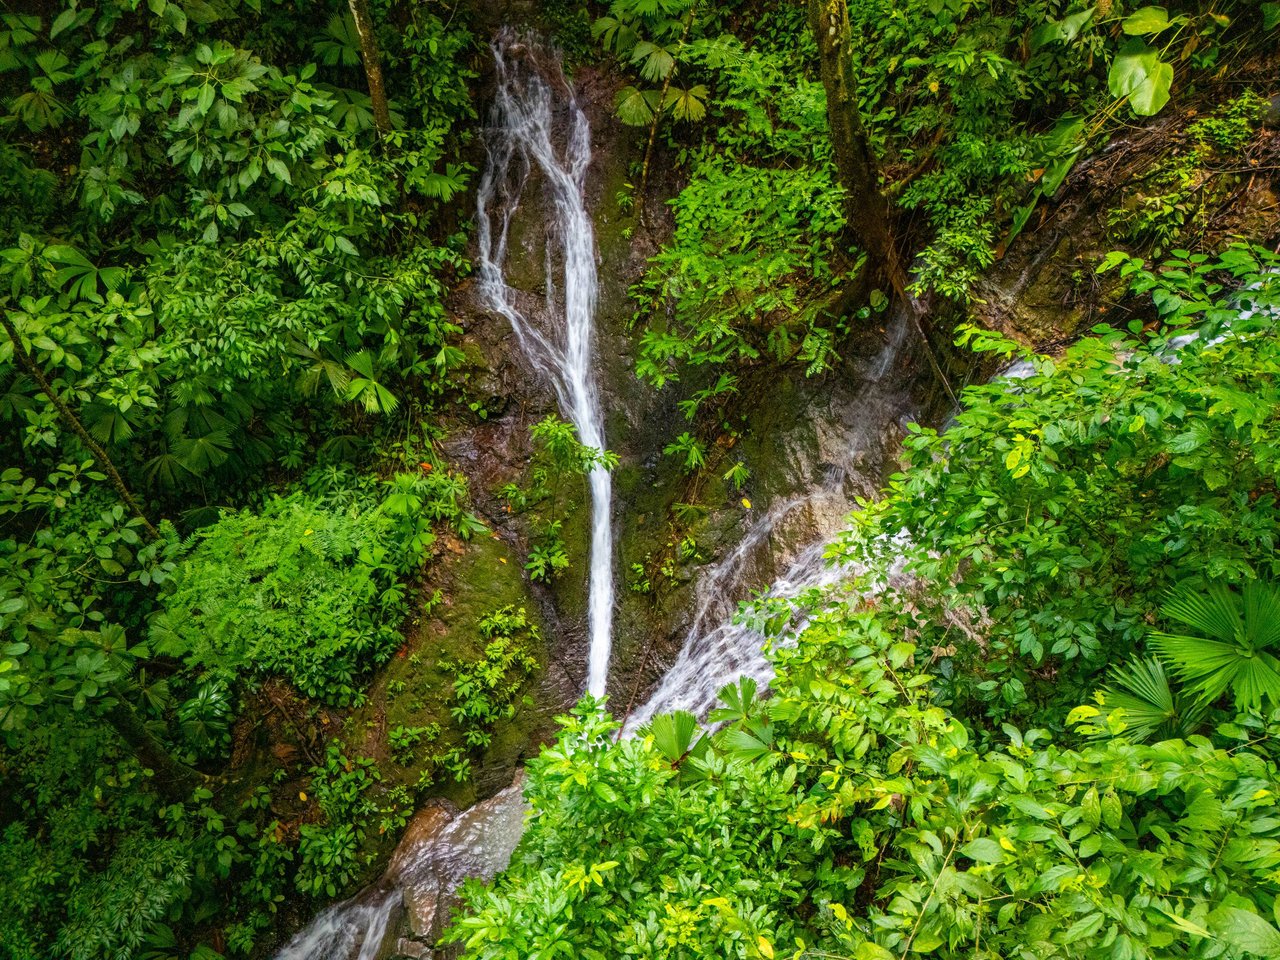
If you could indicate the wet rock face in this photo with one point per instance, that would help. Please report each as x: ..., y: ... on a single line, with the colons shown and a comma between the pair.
x: 441, y: 848
x: 425, y: 825
x: 422, y: 910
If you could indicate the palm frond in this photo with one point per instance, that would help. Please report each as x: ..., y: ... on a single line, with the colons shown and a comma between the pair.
x: 1216, y: 613
x: 1240, y: 627
x: 673, y: 734
x: 1262, y: 614
x: 1150, y: 707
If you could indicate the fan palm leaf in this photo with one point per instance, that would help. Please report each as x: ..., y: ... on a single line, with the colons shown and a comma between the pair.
x: 1150, y: 707
x: 1231, y: 647
x: 673, y: 734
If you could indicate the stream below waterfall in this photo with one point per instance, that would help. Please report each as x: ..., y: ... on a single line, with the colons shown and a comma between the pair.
x: 781, y: 550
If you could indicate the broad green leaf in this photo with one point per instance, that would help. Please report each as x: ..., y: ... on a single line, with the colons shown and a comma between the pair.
x: 1139, y: 74
x: 1146, y: 22
x: 983, y: 850
x: 636, y: 108
x: 687, y: 104
x: 1245, y: 931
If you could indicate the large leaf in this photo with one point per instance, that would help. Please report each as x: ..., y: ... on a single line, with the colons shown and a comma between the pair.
x: 1146, y: 22
x: 636, y: 108
x: 1139, y: 74
x: 1261, y: 614
x: 739, y: 701
x: 1245, y: 931
x: 1233, y: 655
x: 687, y: 104
x: 1064, y: 30
x: 656, y: 63
x: 1215, y: 612
x: 1140, y: 690
x: 673, y: 734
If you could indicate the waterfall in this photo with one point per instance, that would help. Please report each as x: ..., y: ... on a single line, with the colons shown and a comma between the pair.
x: 521, y: 141
x: 531, y: 105
x: 718, y: 648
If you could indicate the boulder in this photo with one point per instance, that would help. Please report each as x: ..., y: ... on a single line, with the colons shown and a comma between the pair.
x: 411, y: 950
x: 422, y: 909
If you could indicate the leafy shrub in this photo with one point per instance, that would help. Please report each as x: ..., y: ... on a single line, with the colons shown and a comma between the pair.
x: 329, y: 851
x: 402, y: 740
x: 307, y: 588
x: 1057, y: 510
x: 867, y: 823
x: 1175, y: 194
x: 484, y: 690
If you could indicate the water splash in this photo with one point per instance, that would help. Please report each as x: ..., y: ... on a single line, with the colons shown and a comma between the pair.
x: 717, y: 649
x: 521, y: 141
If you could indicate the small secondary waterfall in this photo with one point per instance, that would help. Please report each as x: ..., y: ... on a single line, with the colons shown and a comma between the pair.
x: 521, y: 141
x: 718, y: 648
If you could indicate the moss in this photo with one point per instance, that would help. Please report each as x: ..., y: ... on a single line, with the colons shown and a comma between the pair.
x: 570, y: 588
x: 413, y: 690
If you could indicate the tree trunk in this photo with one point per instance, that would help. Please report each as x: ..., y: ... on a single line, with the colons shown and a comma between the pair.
x: 662, y: 107
x: 174, y: 779
x: 867, y: 211
x: 29, y: 364
x: 372, y: 63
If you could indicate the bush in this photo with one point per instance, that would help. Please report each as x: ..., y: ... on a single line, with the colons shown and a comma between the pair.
x: 308, y: 588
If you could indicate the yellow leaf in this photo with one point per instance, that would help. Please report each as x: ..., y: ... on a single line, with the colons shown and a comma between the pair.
x: 307, y: 532
x: 1008, y: 845
x: 746, y: 503
x: 301, y: 795
x: 502, y: 559
x: 765, y: 947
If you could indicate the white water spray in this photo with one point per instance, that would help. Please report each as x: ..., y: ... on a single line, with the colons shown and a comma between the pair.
x: 520, y: 142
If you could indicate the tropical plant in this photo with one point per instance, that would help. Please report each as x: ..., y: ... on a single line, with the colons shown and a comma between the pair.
x: 1147, y: 707
x: 1230, y: 644
x: 485, y: 689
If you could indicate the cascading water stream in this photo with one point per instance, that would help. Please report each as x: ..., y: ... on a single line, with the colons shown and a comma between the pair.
x: 479, y: 842
x: 521, y: 142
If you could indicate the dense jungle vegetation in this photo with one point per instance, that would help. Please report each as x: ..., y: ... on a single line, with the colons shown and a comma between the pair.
x: 253, y: 613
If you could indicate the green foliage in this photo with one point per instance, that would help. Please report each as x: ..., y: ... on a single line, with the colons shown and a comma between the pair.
x: 871, y: 826
x: 329, y: 851
x: 68, y: 554
x: 233, y: 265
x: 1059, y: 508
x: 484, y: 690
x: 1178, y: 193
x: 1147, y: 705
x: 310, y: 588
x: 651, y: 37
x: 1231, y: 648
x: 548, y: 558
x: 874, y: 805
x: 559, y: 456
x: 740, y: 281
x: 404, y: 740
x: 749, y: 245
x: 688, y: 447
